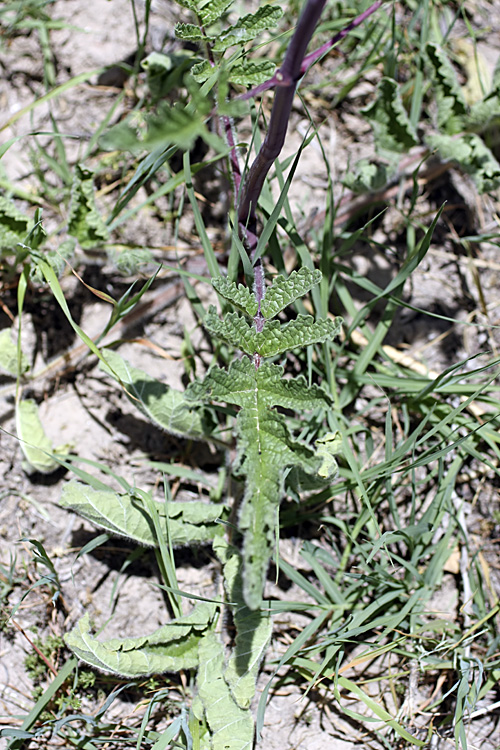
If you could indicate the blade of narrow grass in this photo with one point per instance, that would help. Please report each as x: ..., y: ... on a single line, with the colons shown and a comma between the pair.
x: 44, y: 700
x: 208, y: 250
x: 57, y: 91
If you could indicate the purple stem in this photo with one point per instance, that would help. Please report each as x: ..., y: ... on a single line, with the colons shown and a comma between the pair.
x: 287, y: 76
x: 313, y: 56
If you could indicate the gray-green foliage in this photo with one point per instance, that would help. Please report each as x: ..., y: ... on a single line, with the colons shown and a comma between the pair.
x: 35, y: 445
x: 124, y: 514
x: 461, y: 131
x: 266, y: 448
x: 13, y: 225
x: 162, y: 405
x: 84, y: 220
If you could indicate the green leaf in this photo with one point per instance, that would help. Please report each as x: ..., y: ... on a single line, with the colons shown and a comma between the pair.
x: 275, y: 338
x: 35, y: 444
x: 189, y: 32
x: 239, y: 295
x: 213, y: 10
x: 326, y: 448
x: 13, y: 225
x: 391, y: 124
x: 169, y: 649
x: 253, y: 630
x: 194, y: 522
x: 84, y: 221
x: 165, y: 72
x: 367, y: 177
x: 237, y: 386
x: 265, y: 449
x: 202, y: 71
x: 129, y: 260
x: 248, y: 27
x: 163, y: 405
x: 446, y: 91
x: 285, y: 291
x: 231, y: 726
x: 472, y: 155
x: 8, y: 355
x: 251, y: 73
x: 56, y: 259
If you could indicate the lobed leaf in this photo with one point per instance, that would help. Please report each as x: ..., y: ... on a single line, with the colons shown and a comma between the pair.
x: 13, y: 225
x: 233, y: 329
x: 266, y: 449
x: 251, y: 73
x: 391, y: 125
x: 36, y: 446
x: 248, y: 27
x: 124, y: 514
x: 239, y: 295
x: 189, y: 32
x: 169, y: 649
x: 303, y: 331
x: 284, y: 291
x: 84, y: 221
x: 253, y: 630
x: 275, y: 338
x: 164, y: 406
x: 452, y: 108
x: 472, y: 155
x: 213, y: 10
x: 231, y: 726
x: 9, y: 356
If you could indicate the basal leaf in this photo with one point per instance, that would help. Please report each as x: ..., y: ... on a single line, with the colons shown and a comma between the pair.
x: 84, y: 221
x: 231, y: 727
x: 284, y: 291
x: 472, y: 155
x: 367, y: 177
x: 163, y: 405
x: 13, y: 225
x: 124, y: 514
x: 446, y: 91
x: 35, y: 444
x: 248, y: 27
x: 8, y: 355
x: 169, y: 649
x: 239, y: 295
x: 391, y: 125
